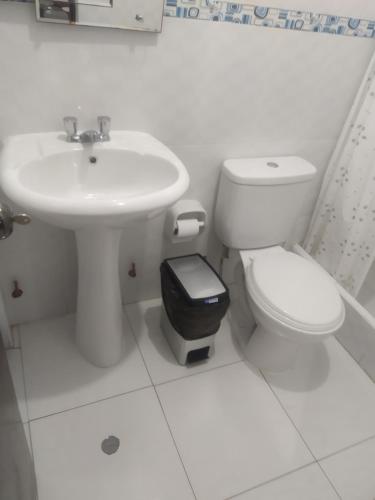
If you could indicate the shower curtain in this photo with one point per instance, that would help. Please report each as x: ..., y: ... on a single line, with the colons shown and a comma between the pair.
x: 341, y: 236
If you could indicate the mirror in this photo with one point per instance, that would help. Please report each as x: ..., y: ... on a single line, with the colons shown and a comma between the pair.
x: 141, y: 15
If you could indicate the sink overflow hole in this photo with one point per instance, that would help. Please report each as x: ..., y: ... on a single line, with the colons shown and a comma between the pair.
x: 93, y: 159
x: 110, y: 445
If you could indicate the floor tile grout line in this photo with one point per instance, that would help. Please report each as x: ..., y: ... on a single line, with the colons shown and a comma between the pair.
x: 162, y: 409
x: 287, y: 414
x: 31, y: 443
x: 160, y: 404
x: 175, y: 444
x: 32, y: 452
x: 298, y: 431
x: 329, y: 480
x: 137, y: 344
x: 163, y: 412
x: 346, y: 448
x: 25, y: 393
x: 273, y: 479
x: 208, y: 370
x: 91, y: 403
x: 30, y: 420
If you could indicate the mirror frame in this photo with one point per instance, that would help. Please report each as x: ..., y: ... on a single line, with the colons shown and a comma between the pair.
x: 137, y: 21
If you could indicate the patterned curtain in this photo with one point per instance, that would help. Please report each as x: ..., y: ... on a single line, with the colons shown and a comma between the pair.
x: 341, y: 236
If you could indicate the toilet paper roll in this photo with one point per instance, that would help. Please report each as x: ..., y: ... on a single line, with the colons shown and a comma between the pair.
x: 187, y: 229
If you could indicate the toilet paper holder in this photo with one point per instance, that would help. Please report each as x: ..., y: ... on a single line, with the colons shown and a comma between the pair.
x: 185, y: 220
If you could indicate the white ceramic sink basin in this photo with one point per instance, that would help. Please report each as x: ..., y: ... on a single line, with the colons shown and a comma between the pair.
x: 95, y: 190
x: 74, y: 185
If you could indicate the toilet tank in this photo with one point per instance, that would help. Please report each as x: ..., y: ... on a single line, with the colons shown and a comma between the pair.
x: 259, y: 200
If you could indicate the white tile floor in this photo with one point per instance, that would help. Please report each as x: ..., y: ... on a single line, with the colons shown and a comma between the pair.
x: 230, y: 430
x: 352, y: 471
x: 215, y: 431
x: 58, y: 378
x: 329, y: 398
x: 71, y: 465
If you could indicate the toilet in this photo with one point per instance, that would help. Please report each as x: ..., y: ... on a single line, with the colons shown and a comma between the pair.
x: 293, y: 301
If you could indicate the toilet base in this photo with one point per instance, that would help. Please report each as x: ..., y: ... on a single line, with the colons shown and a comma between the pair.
x: 270, y: 351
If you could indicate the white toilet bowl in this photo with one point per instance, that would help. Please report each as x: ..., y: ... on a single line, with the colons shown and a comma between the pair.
x: 293, y: 302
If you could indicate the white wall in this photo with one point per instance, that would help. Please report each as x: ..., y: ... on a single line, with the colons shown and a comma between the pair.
x: 209, y: 91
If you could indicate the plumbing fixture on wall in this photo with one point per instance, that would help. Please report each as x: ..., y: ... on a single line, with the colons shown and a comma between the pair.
x: 88, y: 136
x: 132, y: 270
x: 17, y: 291
x: 8, y: 218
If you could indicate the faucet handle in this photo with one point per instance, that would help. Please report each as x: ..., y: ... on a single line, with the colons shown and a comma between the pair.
x: 71, y: 126
x: 104, y: 127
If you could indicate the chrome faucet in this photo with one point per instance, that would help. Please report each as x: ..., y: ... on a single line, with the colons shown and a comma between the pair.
x: 104, y: 128
x: 89, y: 136
x: 70, y: 125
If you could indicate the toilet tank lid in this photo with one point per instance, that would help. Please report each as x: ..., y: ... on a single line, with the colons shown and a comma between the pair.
x: 268, y: 170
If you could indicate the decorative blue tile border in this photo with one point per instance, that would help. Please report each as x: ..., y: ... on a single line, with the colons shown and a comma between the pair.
x: 250, y: 14
x: 253, y: 15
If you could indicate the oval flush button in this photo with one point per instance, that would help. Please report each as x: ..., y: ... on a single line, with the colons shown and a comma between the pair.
x: 272, y: 164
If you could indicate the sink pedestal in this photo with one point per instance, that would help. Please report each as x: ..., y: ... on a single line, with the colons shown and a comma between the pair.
x: 100, y: 320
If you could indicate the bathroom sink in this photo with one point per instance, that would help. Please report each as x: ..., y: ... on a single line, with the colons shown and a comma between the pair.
x: 73, y: 185
x: 96, y: 190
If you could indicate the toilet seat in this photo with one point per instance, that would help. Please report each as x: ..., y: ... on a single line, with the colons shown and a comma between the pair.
x: 295, y: 292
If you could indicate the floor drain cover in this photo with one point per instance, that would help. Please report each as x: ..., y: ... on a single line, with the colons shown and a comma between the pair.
x: 110, y: 445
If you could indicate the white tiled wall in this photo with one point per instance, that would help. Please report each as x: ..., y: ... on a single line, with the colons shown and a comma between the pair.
x: 209, y: 91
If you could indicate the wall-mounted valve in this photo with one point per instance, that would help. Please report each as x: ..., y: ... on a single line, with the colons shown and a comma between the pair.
x: 132, y: 270
x: 17, y: 291
x: 8, y: 218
